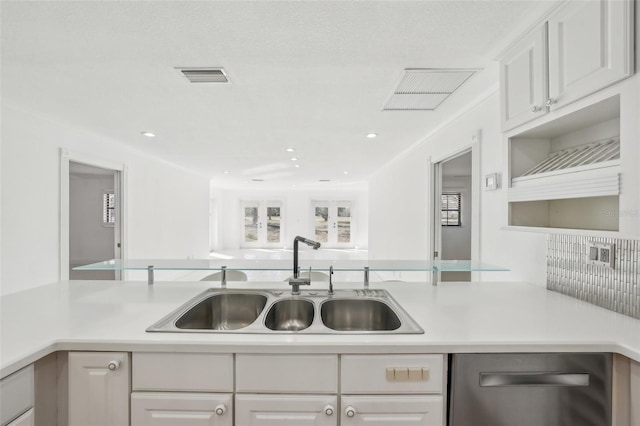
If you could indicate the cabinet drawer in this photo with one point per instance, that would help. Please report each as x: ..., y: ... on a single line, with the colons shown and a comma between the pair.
x: 376, y: 374
x: 298, y: 410
x: 392, y: 410
x: 184, y: 409
x: 16, y: 394
x: 182, y: 372
x: 287, y: 373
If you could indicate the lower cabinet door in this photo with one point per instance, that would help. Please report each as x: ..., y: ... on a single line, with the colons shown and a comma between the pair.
x: 286, y: 410
x: 392, y: 410
x: 27, y: 419
x: 181, y: 409
x: 99, y: 388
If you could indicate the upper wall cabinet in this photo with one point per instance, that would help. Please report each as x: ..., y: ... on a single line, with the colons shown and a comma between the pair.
x: 583, y: 47
x: 523, y: 79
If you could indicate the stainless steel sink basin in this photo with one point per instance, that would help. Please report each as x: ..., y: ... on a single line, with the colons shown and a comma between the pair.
x: 276, y: 311
x: 226, y: 311
x: 358, y: 315
x: 290, y: 315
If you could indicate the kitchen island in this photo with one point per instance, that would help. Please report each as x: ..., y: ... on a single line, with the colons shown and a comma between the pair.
x: 456, y: 318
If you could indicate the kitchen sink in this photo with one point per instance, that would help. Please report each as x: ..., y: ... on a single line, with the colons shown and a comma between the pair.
x: 290, y: 315
x: 277, y: 311
x: 223, y: 311
x: 358, y: 315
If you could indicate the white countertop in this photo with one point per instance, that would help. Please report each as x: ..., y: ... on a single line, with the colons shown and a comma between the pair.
x: 456, y: 317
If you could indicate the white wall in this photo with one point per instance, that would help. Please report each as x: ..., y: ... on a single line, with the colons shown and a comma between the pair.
x: 89, y: 239
x: 297, y: 208
x: 405, y: 183
x: 167, y: 207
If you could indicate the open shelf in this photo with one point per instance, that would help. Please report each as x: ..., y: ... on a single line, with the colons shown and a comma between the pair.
x: 565, y: 174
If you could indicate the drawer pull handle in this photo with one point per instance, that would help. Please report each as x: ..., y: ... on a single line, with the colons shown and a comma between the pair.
x: 221, y: 409
x: 328, y: 410
x: 551, y: 101
x: 350, y: 411
x: 536, y: 108
x: 113, y: 365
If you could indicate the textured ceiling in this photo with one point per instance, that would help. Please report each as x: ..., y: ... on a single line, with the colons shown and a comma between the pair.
x: 313, y: 75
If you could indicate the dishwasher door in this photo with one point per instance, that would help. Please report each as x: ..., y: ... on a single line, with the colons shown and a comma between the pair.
x: 532, y: 389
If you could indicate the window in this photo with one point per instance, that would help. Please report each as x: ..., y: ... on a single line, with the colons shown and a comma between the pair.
x: 108, y: 208
x: 450, y: 214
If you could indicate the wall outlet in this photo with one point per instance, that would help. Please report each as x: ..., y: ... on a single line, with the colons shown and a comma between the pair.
x: 601, y: 254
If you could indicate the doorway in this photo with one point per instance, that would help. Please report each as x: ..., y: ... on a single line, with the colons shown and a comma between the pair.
x: 333, y: 223
x: 453, y: 212
x: 93, y: 219
x: 92, y: 215
x: 261, y: 224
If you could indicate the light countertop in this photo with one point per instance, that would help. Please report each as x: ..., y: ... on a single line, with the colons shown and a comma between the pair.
x: 456, y: 317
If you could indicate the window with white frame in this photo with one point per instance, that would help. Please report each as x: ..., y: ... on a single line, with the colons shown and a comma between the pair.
x: 108, y: 208
x: 451, y: 209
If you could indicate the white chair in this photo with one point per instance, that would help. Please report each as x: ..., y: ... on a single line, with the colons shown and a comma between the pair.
x: 231, y: 276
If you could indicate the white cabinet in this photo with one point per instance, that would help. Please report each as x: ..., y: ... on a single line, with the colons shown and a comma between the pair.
x: 392, y: 410
x: 284, y: 389
x: 16, y: 395
x: 583, y: 47
x: 635, y: 393
x: 99, y: 388
x: 27, y: 419
x: 184, y: 409
x: 388, y: 390
x: 283, y: 410
x: 523, y: 80
x: 590, y: 47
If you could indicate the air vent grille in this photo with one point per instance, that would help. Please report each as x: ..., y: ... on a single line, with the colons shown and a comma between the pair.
x: 205, y: 75
x: 426, y: 89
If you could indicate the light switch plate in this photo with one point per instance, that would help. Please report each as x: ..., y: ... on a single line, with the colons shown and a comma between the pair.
x: 600, y: 254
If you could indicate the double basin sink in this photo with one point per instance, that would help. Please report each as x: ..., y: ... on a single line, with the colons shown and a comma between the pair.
x: 277, y: 311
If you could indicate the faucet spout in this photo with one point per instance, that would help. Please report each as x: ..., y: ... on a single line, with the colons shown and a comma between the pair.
x: 308, y: 242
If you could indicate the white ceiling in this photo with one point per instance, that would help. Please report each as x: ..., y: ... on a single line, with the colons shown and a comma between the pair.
x: 313, y: 75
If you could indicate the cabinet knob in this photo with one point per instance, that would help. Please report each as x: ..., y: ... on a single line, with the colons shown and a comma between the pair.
x: 221, y: 409
x: 113, y: 365
x: 350, y: 411
x: 551, y: 101
x: 536, y: 108
x: 328, y: 410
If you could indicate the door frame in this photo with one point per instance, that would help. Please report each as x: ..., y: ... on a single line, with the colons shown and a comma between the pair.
x: 435, y: 189
x: 333, y: 204
x: 120, y: 188
x: 262, y: 228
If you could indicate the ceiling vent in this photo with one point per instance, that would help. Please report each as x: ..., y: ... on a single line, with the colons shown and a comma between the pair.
x: 426, y: 89
x: 205, y: 75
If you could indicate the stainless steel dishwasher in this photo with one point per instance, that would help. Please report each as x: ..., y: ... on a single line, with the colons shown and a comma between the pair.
x: 532, y: 389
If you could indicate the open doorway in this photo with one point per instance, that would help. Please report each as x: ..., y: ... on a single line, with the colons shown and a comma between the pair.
x: 93, y: 219
x: 455, y: 213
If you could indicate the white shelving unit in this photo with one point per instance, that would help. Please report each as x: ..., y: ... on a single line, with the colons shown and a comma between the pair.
x: 565, y: 174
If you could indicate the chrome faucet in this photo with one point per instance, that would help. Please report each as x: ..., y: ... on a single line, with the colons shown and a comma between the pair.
x: 296, y: 281
x: 330, y: 293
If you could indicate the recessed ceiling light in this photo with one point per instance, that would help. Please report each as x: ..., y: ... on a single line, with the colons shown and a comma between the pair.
x: 345, y: 172
x: 149, y: 134
x: 226, y: 172
x: 371, y: 135
x: 290, y: 149
x: 296, y: 165
x: 294, y: 159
